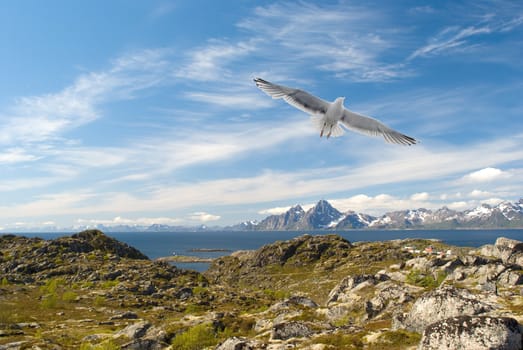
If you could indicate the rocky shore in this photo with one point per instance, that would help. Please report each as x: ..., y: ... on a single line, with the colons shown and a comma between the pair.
x: 89, y: 291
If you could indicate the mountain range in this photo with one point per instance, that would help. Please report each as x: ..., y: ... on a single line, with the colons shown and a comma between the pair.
x: 324, y: 216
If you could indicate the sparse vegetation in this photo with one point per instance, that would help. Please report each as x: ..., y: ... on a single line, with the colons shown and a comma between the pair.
x: 105, y: 345
x: 97, y: 294
x: 399, y: 339
x: 341, y: 340
x: 425, y: 279
x: 195, y: 338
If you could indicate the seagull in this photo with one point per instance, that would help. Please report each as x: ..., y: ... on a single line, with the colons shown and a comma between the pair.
x: 327, y: 116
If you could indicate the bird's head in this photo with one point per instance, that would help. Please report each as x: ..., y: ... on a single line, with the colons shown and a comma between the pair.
x: 340, y: 100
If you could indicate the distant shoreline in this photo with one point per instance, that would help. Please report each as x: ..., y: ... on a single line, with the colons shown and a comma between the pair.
x: 185, y: 259
x: 208, y: 250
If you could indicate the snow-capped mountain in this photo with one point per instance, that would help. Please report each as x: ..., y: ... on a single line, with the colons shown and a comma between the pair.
x: 286, y: 221
x: 324, y: 216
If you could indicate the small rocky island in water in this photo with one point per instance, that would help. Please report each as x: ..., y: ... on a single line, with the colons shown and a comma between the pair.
x: 89, y: 291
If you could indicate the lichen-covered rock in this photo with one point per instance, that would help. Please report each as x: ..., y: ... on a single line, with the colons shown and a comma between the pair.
x: 135, y: 330
x: 144, y: 344
x: 508, y: 250
x: 472, y: 332
x: 294, y: 301
x: 287, y: 330
x: 423, y: 263
x: 440, y: 304
x: 387, y: 296
x: 510, y: 278
x: 235, y: 343
x: 344, y: 291
x: 127, y: 315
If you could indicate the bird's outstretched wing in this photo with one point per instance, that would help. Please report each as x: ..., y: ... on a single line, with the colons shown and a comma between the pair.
x: 371, y: 126
x: 295, y: 97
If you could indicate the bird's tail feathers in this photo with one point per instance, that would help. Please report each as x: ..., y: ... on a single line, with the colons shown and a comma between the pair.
x: 325, y: 130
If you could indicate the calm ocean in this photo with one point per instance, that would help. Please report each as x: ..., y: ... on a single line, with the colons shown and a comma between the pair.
x: 159, y: 244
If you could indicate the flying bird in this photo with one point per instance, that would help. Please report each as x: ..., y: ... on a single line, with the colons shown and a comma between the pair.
x: 327, y: 116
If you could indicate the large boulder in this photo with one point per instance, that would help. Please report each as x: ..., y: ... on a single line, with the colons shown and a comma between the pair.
x: 287, y: 330
x: 438, y: 305
x: 388, y: 296
x: 472, y: 332
x: 510, y: 251
x: 135, y: 330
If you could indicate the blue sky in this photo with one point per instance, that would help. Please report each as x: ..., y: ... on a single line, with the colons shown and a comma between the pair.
x: 141, y: 112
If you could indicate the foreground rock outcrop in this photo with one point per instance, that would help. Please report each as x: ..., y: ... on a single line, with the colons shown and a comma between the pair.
x: 90, y: 291
x: 440, y: 304
x: 472, y: 332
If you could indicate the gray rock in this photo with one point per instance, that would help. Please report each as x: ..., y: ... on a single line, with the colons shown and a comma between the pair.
x: 423, y: 264
x: 472, y: 332
x: 184, y: 293
x: 13, y: 346
x: 490, y: 272
x: 438, y: 305
x: 342, y: 292
x: 144, y: 344
x: 510, y: 278
x: 129, y: 315
x: 293, y: 301
x: 388, y: 296
x: 96, y: 337
x: 475, y: 260
x: 289, y: 330
x: 508, y: 250
x: 452, y: 265
x: 235, y: 343
x: 134, y: 331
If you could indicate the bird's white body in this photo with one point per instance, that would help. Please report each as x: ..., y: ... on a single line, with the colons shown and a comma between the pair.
x: 332, y: 117
x: 327, y: 116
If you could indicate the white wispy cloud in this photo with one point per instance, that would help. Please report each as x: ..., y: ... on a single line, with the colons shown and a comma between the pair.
x: 480, y: 194
x: 344, y: 39
x: 448, y: 39
x: 426, y: 9
x: 453, y: 38
x: 162, y: 9
x: 204, y: 217
x: 231, y: 100
x: 183, y: 148
x: 421, y: 196
x: 44, y: 117
x: 118, y: 220
x: 395, y: 167
x: 209, y: 63
x: 16, y: 155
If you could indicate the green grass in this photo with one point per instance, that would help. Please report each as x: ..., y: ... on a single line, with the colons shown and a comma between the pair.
x: 49, y: 301
x: 423, y: 279
x: 195, y: 338
x: 341, y: 340
x: 392, y: 340
x: 69, y: 296
x: 106, y: 345
x: 109, y: 284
